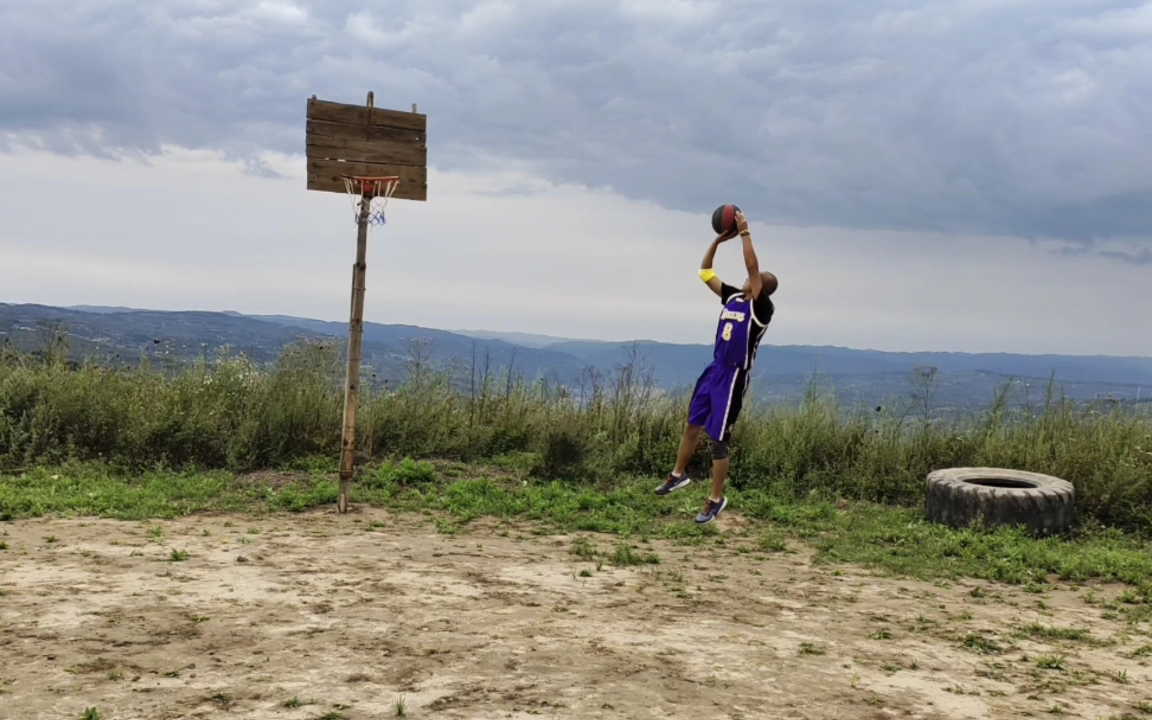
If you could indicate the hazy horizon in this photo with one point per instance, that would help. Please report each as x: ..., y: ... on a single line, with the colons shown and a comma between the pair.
x: 539, y: 338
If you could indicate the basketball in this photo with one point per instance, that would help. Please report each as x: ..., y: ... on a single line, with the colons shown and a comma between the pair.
x: 724, y: 219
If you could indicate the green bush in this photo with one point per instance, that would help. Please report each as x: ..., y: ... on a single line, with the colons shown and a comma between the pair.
x: 564, y: 453
x: 408, y: 473
x: 232, y: 414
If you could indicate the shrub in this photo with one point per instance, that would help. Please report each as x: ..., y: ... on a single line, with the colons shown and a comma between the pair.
x: 233, y: 414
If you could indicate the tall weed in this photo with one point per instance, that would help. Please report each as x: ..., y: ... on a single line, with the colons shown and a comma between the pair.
x: 230, y: 413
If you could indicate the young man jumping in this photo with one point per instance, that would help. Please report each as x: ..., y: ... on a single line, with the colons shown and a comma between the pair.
x: 719, y: 394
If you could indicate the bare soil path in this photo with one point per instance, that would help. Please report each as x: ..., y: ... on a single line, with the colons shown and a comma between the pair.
x: 316, y: 615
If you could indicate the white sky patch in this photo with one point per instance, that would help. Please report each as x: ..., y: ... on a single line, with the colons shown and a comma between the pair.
x: 486, y: 16
x: 284, y: 12
x: 679, y: 11
x: 1131, y: 22
x: 509, y: 251
x: 363, y: 27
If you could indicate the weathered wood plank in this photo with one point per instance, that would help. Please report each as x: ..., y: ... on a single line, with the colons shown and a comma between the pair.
x: 364, y: 115
x: 316, y: 129
x: 328, y: 176
x: 367, y: 151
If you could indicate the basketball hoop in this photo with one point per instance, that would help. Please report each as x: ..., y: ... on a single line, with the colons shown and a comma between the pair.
x: 375, y: 191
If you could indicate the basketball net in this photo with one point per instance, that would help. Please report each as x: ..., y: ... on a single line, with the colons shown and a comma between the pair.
x: 377, y: 189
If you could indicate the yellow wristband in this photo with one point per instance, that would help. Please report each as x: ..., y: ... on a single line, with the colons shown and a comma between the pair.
x: 706, y: 274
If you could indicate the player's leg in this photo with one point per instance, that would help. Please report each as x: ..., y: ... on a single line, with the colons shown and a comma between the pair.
x: 699, y: 409
x: 678, y: 478
x: 688, y: 443
x: 720, y: 462
x: 730, y: 406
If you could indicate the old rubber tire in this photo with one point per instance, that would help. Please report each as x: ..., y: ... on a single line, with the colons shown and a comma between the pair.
x: 958, y: 496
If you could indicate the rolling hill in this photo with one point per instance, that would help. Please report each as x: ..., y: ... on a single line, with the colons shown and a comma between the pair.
x: 782, y: 373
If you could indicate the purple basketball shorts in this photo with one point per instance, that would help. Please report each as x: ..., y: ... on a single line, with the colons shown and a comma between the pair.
x: 718, y: 399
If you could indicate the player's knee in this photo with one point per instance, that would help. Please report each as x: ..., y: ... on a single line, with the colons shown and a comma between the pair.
x: 719, y: 450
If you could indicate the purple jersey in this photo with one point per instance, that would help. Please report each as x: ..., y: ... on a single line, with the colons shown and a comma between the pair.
x: 719, y: 394
x: 738, y: 333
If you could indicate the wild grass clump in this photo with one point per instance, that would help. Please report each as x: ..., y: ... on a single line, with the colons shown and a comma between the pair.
x: 232, y: 414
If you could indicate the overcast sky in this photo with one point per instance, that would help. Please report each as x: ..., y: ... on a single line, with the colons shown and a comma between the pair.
x: 950, y: 175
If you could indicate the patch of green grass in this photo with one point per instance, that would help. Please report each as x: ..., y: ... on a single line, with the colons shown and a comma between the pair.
x: 902, y: 542
x: 980, y: 644
x: 523, y: 461
x: 1043, y: 632
x: 674, y: 575
x: 91, y: 714
x: 625, y: 556
x: 895, y: 540
x: 96, y: 489
x: 1118, y: 676
x: 1051, y: 662
x: 583, y: 549
x: 772, y: 542
x: 407, y: 473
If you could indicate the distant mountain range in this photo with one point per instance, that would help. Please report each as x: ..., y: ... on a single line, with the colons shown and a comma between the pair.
x: 868, y: 377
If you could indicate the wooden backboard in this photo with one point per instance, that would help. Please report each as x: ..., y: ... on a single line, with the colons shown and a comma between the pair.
x: 362, y: 140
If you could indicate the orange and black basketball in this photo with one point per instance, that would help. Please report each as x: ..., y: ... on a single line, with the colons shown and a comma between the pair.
x: 724, y: 219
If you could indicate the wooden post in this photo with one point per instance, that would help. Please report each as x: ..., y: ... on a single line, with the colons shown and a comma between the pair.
x: 355, y: 345
x: 343, y: 140
x: 355, y: 349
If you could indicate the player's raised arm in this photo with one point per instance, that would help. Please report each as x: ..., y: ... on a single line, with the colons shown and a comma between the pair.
x: 706, y: 273
x: 755, y: 282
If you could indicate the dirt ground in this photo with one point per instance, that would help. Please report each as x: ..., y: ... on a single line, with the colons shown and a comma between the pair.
x: 327, y: 616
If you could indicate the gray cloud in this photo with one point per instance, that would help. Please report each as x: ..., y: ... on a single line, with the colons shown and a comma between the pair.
x: 1030, y: 118
x: 258, y: 167
x: 1144, y: 257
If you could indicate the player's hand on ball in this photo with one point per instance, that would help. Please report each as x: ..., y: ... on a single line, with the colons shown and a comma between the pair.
x: 726, y: 236
x: 741, y: 223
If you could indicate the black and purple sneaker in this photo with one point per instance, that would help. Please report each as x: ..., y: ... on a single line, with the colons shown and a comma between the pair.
x: 711, y: 511
x: 673, y: 483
